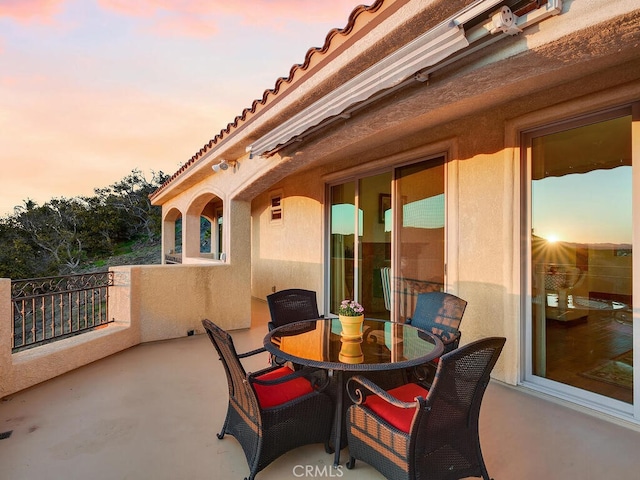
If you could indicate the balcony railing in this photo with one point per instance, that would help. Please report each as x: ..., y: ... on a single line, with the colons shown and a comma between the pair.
x: 51, y: 308
x: 173, y: 258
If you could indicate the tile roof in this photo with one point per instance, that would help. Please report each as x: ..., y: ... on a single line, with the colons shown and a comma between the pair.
x: 271, y: 94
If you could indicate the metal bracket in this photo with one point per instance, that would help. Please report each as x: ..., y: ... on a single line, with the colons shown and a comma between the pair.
x: 505, y: 21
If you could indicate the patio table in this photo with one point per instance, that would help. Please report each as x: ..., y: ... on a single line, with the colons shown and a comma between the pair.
x: 383, y: 346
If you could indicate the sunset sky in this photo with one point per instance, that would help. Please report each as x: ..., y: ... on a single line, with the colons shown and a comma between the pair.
x: 91, y: 89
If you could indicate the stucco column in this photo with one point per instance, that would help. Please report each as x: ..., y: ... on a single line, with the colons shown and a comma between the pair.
x: 5, y: 335
x: 168, y: 237
x: 237, y: 236
x: 191, y: 235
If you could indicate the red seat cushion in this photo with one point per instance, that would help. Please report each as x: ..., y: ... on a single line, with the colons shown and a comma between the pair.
x: 272, y: 395
x: 398, y: 417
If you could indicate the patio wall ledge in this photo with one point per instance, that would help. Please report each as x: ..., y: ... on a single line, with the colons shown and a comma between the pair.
x: 24, y: 369
x: 169, y: 301
x: 146, y: 303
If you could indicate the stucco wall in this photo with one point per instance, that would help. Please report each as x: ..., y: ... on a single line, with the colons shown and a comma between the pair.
x: 288, y: 254
x: 30, y: 367
x: 172, y: 300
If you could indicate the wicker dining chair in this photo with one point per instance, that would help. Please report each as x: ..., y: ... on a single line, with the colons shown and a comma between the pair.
x: 288, y: 306
x: 412, y: 433
x: 292, y: 305
x: 439, y: 313
x: 272, y: 411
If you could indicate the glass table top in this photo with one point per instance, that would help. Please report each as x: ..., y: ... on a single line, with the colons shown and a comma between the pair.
x: 383, y: 345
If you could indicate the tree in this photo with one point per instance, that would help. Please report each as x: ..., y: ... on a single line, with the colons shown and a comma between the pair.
x: 19, y: 257
x: 61, y: 235
x: 55, y: 228
x: 130, y: 197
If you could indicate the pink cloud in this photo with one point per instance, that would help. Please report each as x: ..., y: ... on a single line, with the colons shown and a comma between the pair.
x: 305, y: 11
x: 199, y: 18
x: 184, y: 26
x: 143, y: 8
x: 7, y: 81
x: 26, y: 11
x: 260, y: 11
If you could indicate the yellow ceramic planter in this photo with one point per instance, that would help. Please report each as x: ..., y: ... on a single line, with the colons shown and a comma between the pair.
x: 351, y: 326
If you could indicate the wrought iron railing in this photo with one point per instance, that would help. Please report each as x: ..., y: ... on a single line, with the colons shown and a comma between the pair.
x: 52, y: 308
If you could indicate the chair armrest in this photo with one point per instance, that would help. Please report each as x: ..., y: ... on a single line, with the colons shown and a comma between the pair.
x: 452, y: 343
x: 356, y: 384
x: 252, y: 352
x: 309, y: 373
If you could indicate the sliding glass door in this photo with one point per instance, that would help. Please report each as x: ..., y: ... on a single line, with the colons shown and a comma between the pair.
x: 580, y: 258
x: 360, y: 245
x: 387, y: 238
x: 420, y: 238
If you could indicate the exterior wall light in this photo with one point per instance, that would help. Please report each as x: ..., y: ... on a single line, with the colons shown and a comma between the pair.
x: 223, y: 165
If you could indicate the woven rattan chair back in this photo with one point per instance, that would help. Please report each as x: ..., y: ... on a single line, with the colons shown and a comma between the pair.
x: 292, y: 305
x: 240, y: 392
x: 441, y: 314
x: 446, y: 430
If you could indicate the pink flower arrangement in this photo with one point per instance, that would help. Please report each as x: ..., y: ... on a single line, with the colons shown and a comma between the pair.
x: 350, y: 308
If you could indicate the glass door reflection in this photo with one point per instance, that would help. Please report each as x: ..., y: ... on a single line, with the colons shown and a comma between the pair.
x: 581, y: 256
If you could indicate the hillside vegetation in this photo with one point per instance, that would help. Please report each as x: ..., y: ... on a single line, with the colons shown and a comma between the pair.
x: 116, y: 226
x: 135, y: 253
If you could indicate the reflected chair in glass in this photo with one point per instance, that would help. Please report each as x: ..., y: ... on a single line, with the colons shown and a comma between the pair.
x: 562, y: 284
x: 410, y: 432
x: 272, y: 411
x: 385, y: 277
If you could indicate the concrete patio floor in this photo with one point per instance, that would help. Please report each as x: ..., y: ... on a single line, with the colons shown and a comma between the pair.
x: 152, y: 412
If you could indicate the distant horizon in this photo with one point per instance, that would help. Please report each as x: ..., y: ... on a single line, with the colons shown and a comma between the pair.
x: 591, y: 245
x: 148, y: 175
x: 565, y: 208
